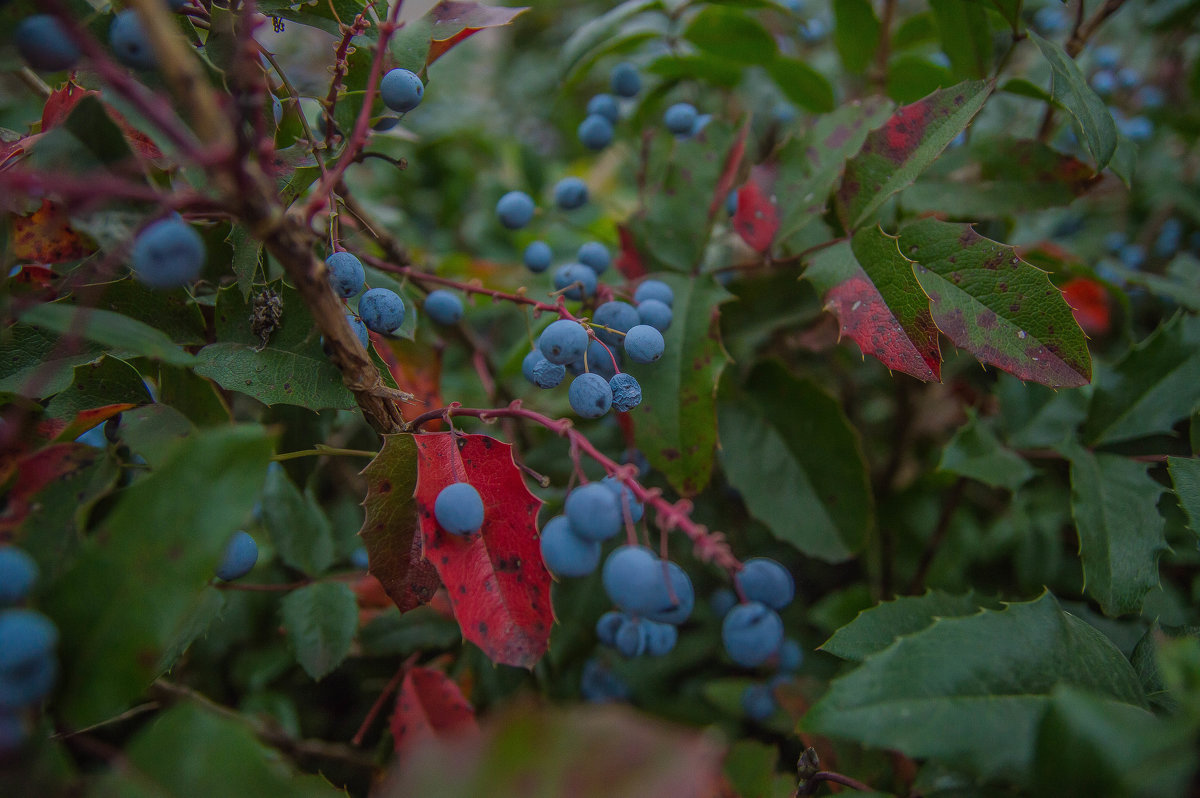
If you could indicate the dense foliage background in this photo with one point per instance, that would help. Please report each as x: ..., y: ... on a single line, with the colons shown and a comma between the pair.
x: 996, y: 568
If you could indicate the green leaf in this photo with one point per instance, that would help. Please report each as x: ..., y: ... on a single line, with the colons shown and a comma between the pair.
x: 33, y: 364
x: 320, y: 621
x: 802, y: 84
x: 988, y: 678
x: 193, y: 625
x: 675, y: 426
x: 788, y: 448
x: 597, y: 32
x: 409, y: 47
x: 154, y: 432
x: 1001, y: 309
x: 1115, y: 506
x: 1185, y: 476
x: 1071, y: 90
x: 811, y: 164
x: 175, y: 756
x: 140, y: 577
x: 731, y: 34
x: 1034, y: 416
x: 298, y: 526
x: 910, y: 77
x: 173, y: 313
x: 1090, y: 746
x: 108, y: 381
x: 966, y: 36
x: 110, y: 329
x: 1151, y: 388
x: 878, y: 627
x: 870, y: 287
x: 855, y: 33
x: 896, y: 154
x: 327, y: 16
x: 975, y: 452
x: 292, y: 369
x: 90, y: 123
x: 247, y: 251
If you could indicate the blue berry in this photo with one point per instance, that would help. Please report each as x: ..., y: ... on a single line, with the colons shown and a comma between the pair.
x: 1169, y: 239
x: 276, y: 110
x: 767, y: 581
x: 45, y: 44
x: 515, y: 209
x: 655, y: 314
x: 563, y: 341
x: 731, y: 200
x: 940, y: 59
x: 752, y: 632
x: 346, y: 274
x: 178, y: 5
x: 679, y: 609
x: 600, y: 685
x: 590, y: 395
x: 615, y: 315
x: 654, y: 289
x: 537, y: 257
x: 459, y: 509
x: 627, y: 393
x: 548, y: 375
x: 359, y: 558
x: 565, y: 552
x: 1128, y: 77
x: 660, y: 638
x: 595, y: 256
x: 722, y: 601
x: 129, y: 42
x: 382, y: 310
x: 385, y: 123
x: 94, y: 438
x: 699, y: 124
x: 444, y: 307
x: 1138, y: 129
x: 1151, y: 97
x: 1114, y: 241
x: 595, y: 132
x: 605, y: 105
x: 530, y: 363
x: 1050, y: 20
x: 1103, y: 82
x: 401, y: 90
x: 168, y: 253
x: 360, y: 330
x: 594, y: 512
x: 27, y: 684
x: 570, y: 193
x: 575, y: 280
x: 625, y: 80
x: 1107, y: 56
x: 644, y: 344
x: 599, y: 361
x: 814, y: 31
x: 790, y: 656
x: 633, y: 578
x: 631, y: 638
x: 26, y: 637
x: 18, y: 574
x: 758, y: 702
x: 607, y: 626
x: 625, y: 498
x: 679, y: 118
x: 241, y: 553
x: 1133, y: 255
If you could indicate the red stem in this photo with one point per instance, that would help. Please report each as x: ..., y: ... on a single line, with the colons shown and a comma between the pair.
x: 377, y: 707
x: 709, y: 546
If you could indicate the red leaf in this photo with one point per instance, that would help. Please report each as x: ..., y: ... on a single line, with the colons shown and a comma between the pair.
x: 61, y: 102
x: 496, y: 581
x: 757, y: 218
x: 629, y: 261
x: 866, y: 319
x: 430, y: 705
x: 389, y: 529
x: 45, y: 236
x: 416, y: 368
x: 1089, y: 303
x: 454, y: 22
x: 84, y: 420
x: 729, y: 174
x: 37, y: 471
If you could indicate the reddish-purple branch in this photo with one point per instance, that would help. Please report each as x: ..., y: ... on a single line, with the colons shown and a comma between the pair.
x: 708, y: 546
x: 362, y: 126
x: 339, y: 70
x: 468, y: 288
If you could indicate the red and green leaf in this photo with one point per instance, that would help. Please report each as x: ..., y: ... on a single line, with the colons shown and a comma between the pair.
x: 756, y: 219
x: 430, y: 705
x: 497, y: 584
x: 999, y: 308
x: 893, y: 156
x: 389, y: 530
x: 454, y: 22
x: 870, y: 287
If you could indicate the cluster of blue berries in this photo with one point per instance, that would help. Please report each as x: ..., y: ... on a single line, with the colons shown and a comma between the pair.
x: 653, y: 597
x: 1123, y: 84
x: 380, y: 310
x: 593, y: 513
x: 598, y: 127
x: 28, y: 666
x: 46, y: 45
